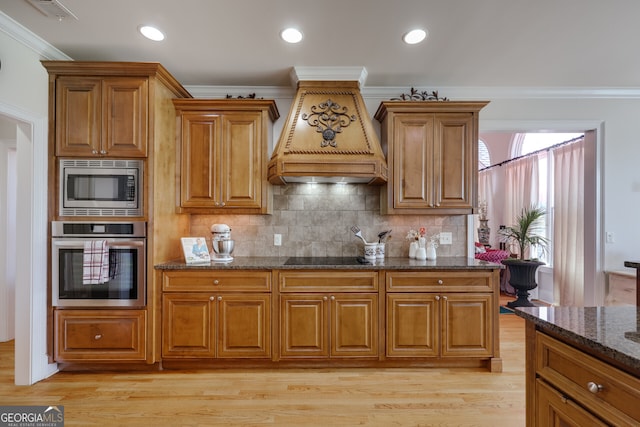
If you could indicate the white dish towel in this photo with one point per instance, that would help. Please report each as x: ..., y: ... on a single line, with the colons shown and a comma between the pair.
x: 95, y: 262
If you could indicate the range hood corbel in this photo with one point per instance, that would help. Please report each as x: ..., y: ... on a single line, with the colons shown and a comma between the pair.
x: 328, y: 137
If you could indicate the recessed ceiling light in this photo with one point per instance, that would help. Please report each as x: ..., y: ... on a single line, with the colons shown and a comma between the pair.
x: 291, y: 35
x: 414, y: 36
x: 152, y: 33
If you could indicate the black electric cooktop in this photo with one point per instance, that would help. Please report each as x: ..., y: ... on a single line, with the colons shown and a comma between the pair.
x: 319, y: 260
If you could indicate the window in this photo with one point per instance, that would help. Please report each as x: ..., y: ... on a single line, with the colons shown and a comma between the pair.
x: 484, y: 158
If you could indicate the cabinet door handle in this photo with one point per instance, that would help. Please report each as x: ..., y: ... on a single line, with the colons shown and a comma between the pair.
x: 440, y: 282
x: 437, y: 297
x: 94, y: 151
x: 219, y: 298
x: 97, y: 337
x: 103, y: 152
x: 594, y: 387
x: 222, y: 204
x: 333, y: 298
x: 324, y: 298
x: 216, y: 282
x: 211, y: 298
x: 444, y: 297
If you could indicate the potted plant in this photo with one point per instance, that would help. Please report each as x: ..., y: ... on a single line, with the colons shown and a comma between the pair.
x: 525, y: 233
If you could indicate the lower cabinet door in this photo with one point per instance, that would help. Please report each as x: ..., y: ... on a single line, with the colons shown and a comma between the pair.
x: 100, y: 335
x: 187, y: 325
x: 467, y: 325
x: 354, y: 325
x: 413, y: 325
x: 244, y: 326
x: 554, y: 409
x: 304, y: 330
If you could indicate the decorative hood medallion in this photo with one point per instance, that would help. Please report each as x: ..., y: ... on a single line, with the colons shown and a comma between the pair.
x: 328, y: 137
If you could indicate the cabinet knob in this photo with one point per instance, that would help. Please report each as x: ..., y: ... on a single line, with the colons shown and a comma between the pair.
x: 219, y: 298
x: 103, y: 152
x: 437, y: 297
x: 444, y: 297
x: 216, y: 282
x: 94, y: 151
x: 211, y: 298
x: 324, y: 298
x: 97, y: 337
x: 222, y: 204
x: 440, y: 282
x: 333, y: 298
x: 594, y: 387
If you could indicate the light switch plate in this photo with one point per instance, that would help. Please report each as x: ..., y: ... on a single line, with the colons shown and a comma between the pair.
x: 446, y: 238
x: 277, y: 240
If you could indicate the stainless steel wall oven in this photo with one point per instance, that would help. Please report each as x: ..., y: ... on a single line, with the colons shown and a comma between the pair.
x: 98, y: 264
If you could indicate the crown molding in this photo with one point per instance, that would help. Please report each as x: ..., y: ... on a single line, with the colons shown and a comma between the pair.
x: 21, y: 34
x: 454, y: 93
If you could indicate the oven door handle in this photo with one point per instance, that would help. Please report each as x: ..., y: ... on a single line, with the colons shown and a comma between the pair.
x: 110, y: 243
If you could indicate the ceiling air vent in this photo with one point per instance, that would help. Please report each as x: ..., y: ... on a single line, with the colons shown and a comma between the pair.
x: 52, y: 9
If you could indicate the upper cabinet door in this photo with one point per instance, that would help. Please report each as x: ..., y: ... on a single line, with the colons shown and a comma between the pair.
x: 125, y: 116
x: 198, y: 185
x: 241, y: 160
x: 412, y: 152
x: 77, y: 116
x: 101, y: 116
x: 455, y: 160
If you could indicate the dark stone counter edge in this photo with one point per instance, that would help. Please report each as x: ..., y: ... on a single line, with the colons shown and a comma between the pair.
x: 623, y: 360
x: 278, y: 263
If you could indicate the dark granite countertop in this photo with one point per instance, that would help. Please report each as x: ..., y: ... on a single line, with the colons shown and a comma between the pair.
x: 632, y: 264
x: 273, y: 263
x: 612, y: 332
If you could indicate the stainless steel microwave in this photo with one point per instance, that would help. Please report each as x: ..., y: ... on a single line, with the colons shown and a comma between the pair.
x: 101, y: 187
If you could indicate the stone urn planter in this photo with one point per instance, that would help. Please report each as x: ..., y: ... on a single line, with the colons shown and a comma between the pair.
x: 523, y: 279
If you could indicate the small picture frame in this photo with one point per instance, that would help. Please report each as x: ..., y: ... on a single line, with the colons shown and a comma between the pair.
x: 195, y: 250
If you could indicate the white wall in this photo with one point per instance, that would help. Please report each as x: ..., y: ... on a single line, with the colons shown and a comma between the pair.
x: 8, y: 192
x: 24, y: 99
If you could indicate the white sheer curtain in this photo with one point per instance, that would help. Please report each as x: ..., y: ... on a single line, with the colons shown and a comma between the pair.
x: 568, y: 230
x: 521, y: 187
x: 490, y: 190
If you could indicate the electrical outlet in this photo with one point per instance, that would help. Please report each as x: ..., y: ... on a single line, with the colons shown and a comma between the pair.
x: 446, y: 238
x: 277, y: 240
x: 609, y: 237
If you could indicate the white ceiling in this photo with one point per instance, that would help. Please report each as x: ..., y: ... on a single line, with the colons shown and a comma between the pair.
x: 476, y: 43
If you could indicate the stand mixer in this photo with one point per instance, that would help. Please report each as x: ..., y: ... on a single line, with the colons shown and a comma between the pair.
x: 222, y: 243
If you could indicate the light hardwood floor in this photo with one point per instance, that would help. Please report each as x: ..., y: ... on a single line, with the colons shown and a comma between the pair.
x: 291, y: 397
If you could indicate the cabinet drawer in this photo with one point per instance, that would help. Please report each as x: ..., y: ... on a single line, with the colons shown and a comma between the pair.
x: 100, y: 335
x: 409, y: 281
x: 181, y: 280
x: 572, y: 371
x: 328, y: 281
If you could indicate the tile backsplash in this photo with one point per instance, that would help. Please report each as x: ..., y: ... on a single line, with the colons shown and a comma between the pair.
x: 316, y: 220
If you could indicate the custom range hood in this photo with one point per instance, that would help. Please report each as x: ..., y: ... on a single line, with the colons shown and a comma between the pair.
x: 328, y: 136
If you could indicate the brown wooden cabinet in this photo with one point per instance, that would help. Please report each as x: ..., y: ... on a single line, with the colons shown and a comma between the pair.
x: 432, y: 156
x: 223, y: 149
x: 216, y: 314
x: 442, y: 315
x: 568, y: 387
x: 100, y: 335
x: 328, y: 314
x: 101, y: 116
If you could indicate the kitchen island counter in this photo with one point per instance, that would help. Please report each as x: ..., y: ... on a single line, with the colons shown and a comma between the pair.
x: 612, y: 333
x: 280, y: 263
